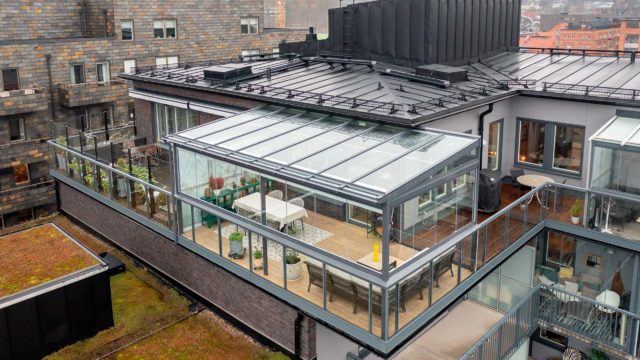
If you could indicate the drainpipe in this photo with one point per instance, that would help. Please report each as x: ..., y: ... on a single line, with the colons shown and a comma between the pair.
x: 53, y: 104
x: 298, y: 335
x: 481, y: 129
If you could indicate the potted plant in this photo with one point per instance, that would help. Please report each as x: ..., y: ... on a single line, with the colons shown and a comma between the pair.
x: 243, y: 180
x: 253, y: 180
x: 234, y: 185
x: 212, y: 183
x: 597, y: 354
x: 207, y: 193
x: 257, y: 259
x: 294, y: 268
x: 576, y: 211
x: 235, y: 243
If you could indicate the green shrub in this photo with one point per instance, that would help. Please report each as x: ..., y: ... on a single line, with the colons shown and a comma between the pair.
x: 236, y: 236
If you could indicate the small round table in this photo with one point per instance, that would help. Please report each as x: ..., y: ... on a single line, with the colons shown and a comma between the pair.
x: 533, y: 181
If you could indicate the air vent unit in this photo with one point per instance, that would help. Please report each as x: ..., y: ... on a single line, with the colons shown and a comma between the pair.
x: 443, y: 72
x: 227, y: 71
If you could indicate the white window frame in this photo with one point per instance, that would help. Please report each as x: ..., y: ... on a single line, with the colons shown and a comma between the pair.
x: 427, y: 202
x: 249, y: 53
x: 167, y: 61
x: 127, y: 65
x: 248, y: 21
x: 21, y: 126
x: 73, y: 74
x: 164, y: 28
x: 106, y: 73
x: 127, y: 21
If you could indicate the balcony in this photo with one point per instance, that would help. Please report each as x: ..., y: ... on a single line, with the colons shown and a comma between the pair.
x: 588, y: 320
x: 28, y: 196
x: 23, y: 101
x: 73, y: 95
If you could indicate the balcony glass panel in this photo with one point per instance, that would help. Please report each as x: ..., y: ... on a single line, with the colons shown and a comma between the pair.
x: 616, y: 169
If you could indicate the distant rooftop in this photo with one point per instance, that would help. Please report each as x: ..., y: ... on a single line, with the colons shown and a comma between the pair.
x: 391, y: 93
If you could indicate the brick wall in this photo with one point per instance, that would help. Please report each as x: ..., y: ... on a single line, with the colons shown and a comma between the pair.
x: 254, y: 307
x: 34, y: 19
x: 33, y: 29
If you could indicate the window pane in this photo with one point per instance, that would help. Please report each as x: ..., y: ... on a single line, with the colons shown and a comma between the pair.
x: 170, y: 26
x: 244, y: 21
x: 568, y: 148
x: 172, y: 60
x: 127, y: 30
x: 102, y: 72
x: 21, y: 173
x: 77, y: 74
x: 244, y: 29
x: 129, y: 65
x: 158, y: 29
x: 493, y: 155
x: 10, y: 79
x: 531, y: 142
x: 16, y: 129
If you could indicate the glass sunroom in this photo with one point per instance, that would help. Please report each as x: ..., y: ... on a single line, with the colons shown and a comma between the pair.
x: 329, y: 207
x: 615, y: 156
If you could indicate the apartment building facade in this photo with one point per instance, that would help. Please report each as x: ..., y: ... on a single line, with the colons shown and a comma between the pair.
x: 60, y: 61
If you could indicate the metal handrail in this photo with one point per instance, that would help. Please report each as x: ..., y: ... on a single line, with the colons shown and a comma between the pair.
x: 497, y: 327
x: 111, y: 168
x: 20, y: 189
x: 593, y: 302
x: 114, y: 81
x: 19, y: 92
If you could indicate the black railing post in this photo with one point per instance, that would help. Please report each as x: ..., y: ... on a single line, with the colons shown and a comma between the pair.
x: 152, y: 202
x: 95, y: 147
x: 132, y: 184
x: 106, y: 129
x: 66, y: 134
x: 112, y: 153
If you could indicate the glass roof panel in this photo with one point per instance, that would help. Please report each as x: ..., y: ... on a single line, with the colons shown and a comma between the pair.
x: 294, y: 153
x: 378, y: 156
x: 619, y: 129
x: 415, y: 163
x: 347, y: 149
x: 247, y: 126
x: 230, y: 121
x: 635, y: 139
x: 280, y: 142
x: 296, y: 120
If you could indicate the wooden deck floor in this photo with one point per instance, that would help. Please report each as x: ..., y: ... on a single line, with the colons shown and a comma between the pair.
x: 351, y: 242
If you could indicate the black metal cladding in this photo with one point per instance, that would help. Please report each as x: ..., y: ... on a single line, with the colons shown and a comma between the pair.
x: 416, y: 32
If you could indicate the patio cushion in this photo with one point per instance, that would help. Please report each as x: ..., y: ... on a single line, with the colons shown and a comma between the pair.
x: 545, y: 280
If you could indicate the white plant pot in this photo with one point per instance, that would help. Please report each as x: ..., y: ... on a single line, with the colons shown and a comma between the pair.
x: 575, y: 220
x: 294, y: 271
x: 62, y: 162
x: 121, y: 184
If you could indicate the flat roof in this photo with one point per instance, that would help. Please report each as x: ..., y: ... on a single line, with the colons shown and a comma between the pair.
x: 41, y: 256
x: 620, y: 130
x: 345, y: 154
x: 390, y: 93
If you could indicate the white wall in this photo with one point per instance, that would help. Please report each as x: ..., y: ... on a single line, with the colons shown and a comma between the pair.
x: 522, y: 353
x: 331, y: 345
x: 591, y: 116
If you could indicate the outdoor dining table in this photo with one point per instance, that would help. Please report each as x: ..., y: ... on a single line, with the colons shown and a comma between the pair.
x: 276, y: 210
x: 533, y: 181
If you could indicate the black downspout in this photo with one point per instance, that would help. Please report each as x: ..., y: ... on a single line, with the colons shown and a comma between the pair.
x: 298, y: 340
x: 481, y: 129
x: 53, y: 103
